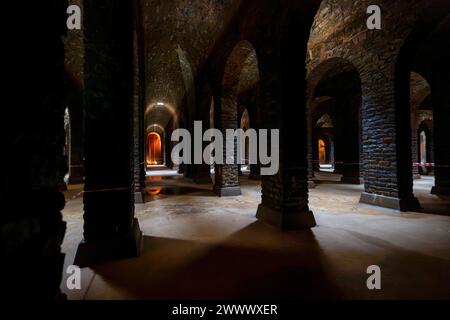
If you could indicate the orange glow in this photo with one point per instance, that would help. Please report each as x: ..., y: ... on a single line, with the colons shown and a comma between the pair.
x: 154, y: 192
x: 322, y: 152
x: 154, y: 149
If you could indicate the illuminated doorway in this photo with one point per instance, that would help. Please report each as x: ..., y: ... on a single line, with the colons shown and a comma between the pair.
x: 322, y: 152
x: 423, y: 148
x: 154, y: 150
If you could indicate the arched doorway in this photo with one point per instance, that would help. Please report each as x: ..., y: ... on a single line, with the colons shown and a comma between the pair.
x: 240, y: 78
x: 322, y: 152
x: 425, y: 148
x: 335, y: 98
x: 154, y: 149
x: 421, y: 93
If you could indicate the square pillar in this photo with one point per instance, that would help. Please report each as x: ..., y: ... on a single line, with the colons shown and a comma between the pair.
x: 110, y: 230
x: 386, y: 140
x: 282, y: 81
x: 441, y: 119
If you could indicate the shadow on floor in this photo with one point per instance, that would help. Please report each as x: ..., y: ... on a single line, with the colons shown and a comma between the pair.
x: 406, y: 274
x: 431, y: 204
x: 441, y: 209
x: 178, y: 269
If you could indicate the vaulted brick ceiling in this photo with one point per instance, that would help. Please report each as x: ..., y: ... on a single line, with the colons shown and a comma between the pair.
x: 179, y: 37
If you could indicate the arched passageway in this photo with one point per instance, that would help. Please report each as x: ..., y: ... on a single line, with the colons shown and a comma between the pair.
x: 335, y: 106
x: 421, y: 76
x: 155, y: 153
x: 241, y: 75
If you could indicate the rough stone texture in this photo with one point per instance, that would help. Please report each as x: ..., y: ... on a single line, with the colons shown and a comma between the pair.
x: 108, y: 193
x: 247, y: 54
x: 338, y: 95
x: 74, y: 48
x: 340, y: 32
x: 74, y: 78
x: 32, y: 136
x: 227, y: 176
x: 436, y: 70
x: 139, y: 132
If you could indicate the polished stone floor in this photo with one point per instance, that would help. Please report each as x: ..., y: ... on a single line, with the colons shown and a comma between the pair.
x: 198, y: 246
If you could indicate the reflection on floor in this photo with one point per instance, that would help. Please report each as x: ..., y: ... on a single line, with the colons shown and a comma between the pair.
x: 200, y: 246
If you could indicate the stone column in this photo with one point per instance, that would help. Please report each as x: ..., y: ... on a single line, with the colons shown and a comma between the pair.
x: 255, y: 120
x: 414, y: 141
x: 227, y: 175
x: 75, y: 155
x: 203, y: 96
x: 74, y: 61
x: 139, y: 174
x: 202, y: 174
x: 282, y: 73
x: 339, y: 147
x: 386, y: 140
x: 255, y: 172
x: 312, y: 148
x: 314, y: 151
x: 351, y: 155
x: 189, y: 171
x: 441, y: 145
x: 110, y: 229
x: 32, y: 139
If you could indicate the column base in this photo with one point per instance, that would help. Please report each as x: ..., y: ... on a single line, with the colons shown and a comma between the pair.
x: 440, y: 191
x: 398, y: 204
x: 112, y: 249
x: 139, y: 197
x: 203, y: 180
x: 76, y: 175
x: 228, y: 191
x: 351, y: 180
x: 255, y: 177
x: 286, y: 221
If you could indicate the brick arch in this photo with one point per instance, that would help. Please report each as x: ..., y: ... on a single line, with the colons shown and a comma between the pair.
x: 188, y: 99
x: 327, y: 68
x: 412, y: 78
x: 161, y: 132
x: 163, y: 114
x: 440, y: 85
x: 204, y: 101
x: 334, y: 87
x: 226, y: 111
x: 234, y: 68
x: 420, y: 90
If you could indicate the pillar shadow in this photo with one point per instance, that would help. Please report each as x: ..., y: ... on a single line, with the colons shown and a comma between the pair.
x: 233, y: 269
x: 435, y: 205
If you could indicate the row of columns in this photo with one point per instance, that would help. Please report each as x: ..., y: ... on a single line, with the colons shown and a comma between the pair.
x: 110, y: 230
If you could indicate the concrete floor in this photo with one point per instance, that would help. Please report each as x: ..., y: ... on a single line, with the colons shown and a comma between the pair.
x: 198, y: 246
